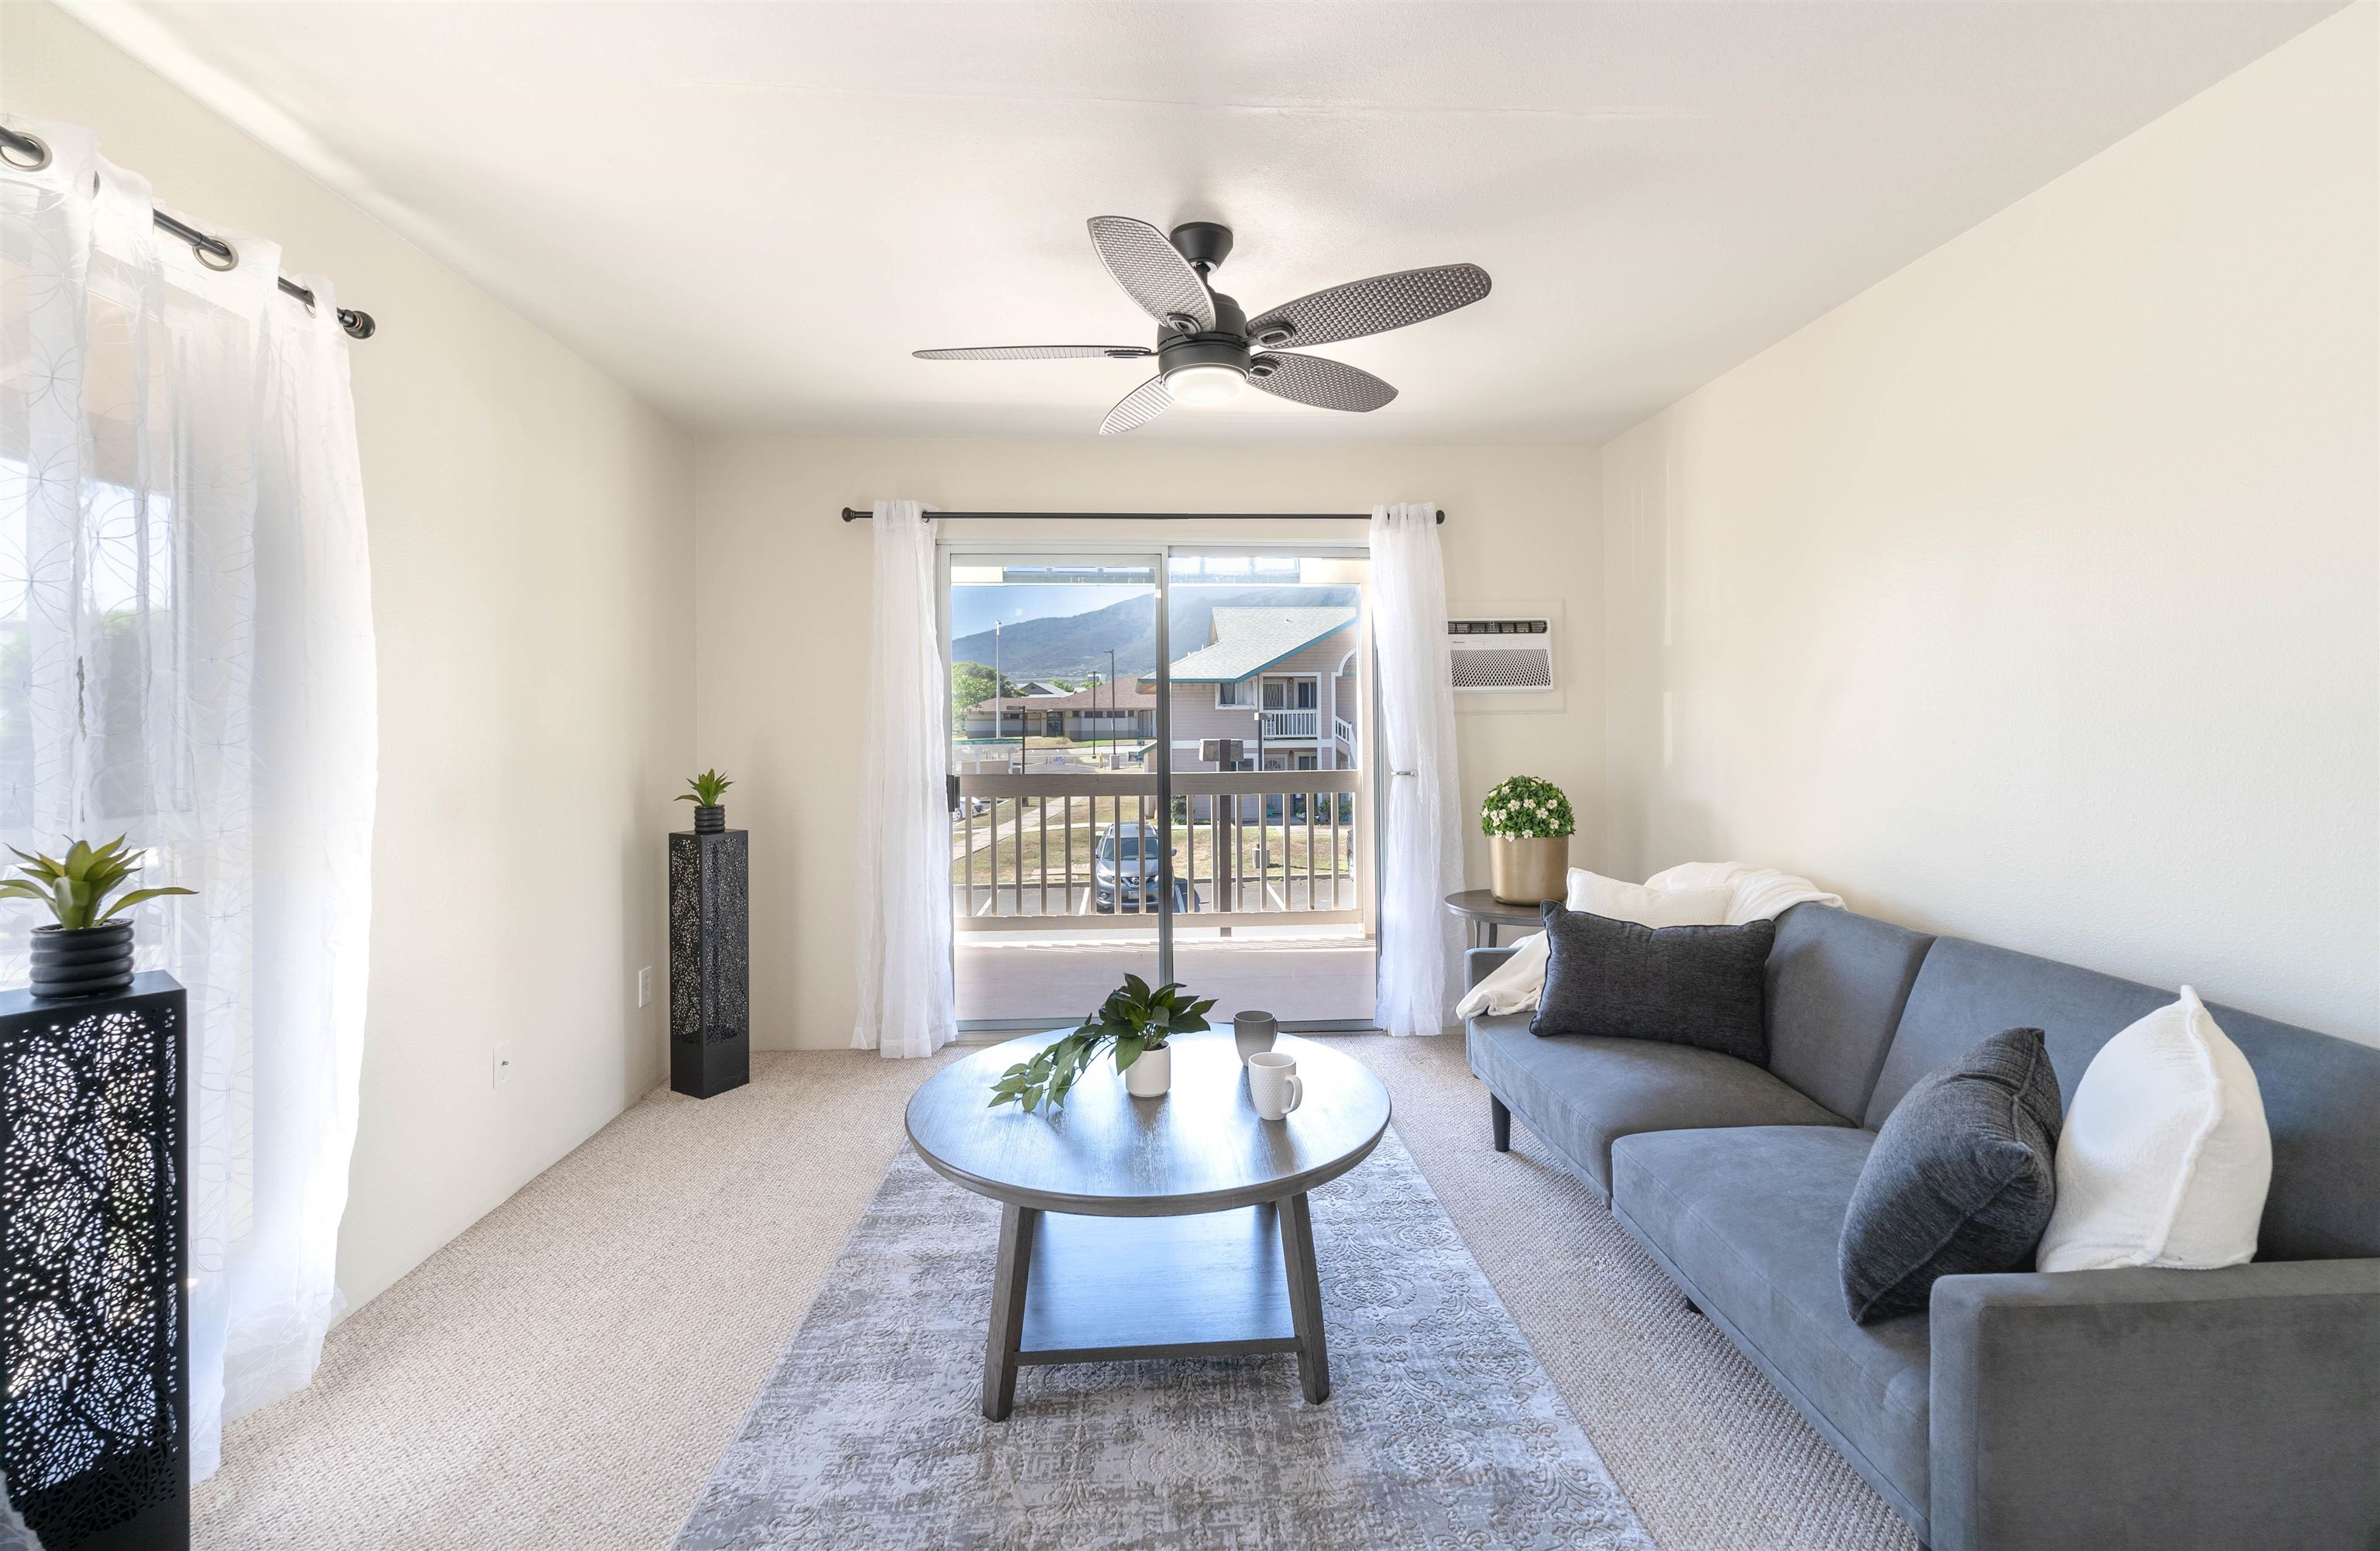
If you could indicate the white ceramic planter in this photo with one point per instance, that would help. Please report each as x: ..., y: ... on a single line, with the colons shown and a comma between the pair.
x: 1150, y: 1075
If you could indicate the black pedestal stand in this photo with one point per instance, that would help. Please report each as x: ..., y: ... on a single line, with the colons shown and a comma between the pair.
x: 710, y: 935
x: 94, y: 1267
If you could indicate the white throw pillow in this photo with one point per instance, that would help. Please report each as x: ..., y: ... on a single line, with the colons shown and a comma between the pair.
x: 1647, y: 906
x: 2165, y: 1158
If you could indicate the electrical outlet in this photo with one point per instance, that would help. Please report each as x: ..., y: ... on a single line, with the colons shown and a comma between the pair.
x: 644, y: 987
x: 500, y: 1067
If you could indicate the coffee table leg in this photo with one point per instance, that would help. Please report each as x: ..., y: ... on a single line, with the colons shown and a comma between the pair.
x: 1018, y: 1225
x: 1304, y: 1298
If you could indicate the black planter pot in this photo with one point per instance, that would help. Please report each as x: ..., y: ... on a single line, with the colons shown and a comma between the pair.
x: 86, y: 961
x: 710, y: 820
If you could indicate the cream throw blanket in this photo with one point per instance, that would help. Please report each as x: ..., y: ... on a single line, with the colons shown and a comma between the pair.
x: 1760, y: 894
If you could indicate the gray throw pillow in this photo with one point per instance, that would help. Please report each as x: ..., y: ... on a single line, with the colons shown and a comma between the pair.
x: 1961, y: 1180
x: 1699, y: 985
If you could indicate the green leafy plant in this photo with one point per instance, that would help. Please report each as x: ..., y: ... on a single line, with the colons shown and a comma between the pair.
x: 76, y: 890
x: 1523, y: 808
x: 705, y: 789
x: 1133, y: 1018
x: 972, y: 684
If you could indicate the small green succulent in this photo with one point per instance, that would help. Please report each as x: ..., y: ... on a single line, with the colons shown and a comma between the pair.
x: 76, y: 890
x: 705, y: 789
x: 1134, y: 1018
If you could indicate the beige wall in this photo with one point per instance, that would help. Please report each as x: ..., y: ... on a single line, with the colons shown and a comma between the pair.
x: 2035, y: 594
x: 782, y: 613
x: 532, y: 590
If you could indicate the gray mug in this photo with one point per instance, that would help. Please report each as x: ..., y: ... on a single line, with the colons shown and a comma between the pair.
x: 1252, y: 1033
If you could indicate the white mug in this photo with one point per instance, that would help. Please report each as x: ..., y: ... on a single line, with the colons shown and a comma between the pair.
x: 1274, y: 1085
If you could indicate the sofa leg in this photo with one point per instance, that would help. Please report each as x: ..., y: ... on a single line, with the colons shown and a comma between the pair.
x: 1503, y: 1121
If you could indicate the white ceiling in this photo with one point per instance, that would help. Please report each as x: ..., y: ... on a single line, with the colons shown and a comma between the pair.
x: 751, y: 213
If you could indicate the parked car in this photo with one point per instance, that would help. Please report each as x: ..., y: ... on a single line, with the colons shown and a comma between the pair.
x: 1125, y: 865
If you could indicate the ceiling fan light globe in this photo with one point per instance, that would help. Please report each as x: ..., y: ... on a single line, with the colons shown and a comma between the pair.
x: 1203, y: 385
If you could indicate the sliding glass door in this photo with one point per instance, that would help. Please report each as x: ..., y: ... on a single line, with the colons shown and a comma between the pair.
x: 1057, y: 843
x: 1158, y: 763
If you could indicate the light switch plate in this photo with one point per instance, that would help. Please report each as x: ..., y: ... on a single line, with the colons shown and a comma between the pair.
x: 500, y: 1066
x: 644, y: 987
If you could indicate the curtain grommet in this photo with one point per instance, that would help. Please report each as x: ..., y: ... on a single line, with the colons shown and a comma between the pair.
x: 17, y: 147
x: 221, y: 263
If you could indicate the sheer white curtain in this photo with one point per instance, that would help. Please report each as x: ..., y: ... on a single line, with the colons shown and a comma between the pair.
x: 1421, y: 832
x: 907, y: 1007
x: 186, y: 656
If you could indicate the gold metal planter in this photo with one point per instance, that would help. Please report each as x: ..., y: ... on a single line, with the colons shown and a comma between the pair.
x: 1528, y: 871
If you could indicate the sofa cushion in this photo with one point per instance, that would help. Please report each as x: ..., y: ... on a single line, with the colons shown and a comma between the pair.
x: 1700, y: 986
x: 1961, y: 1182
x: 1579, y: 1094
x: 1837, y: 983
x: 2320, y: 1093
x: 1748, y: 1221
x: 2166, y: 1160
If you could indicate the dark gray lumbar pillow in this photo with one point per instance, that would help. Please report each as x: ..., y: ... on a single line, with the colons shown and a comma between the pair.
x: 1682, y: 984
x: 1961, y: 1180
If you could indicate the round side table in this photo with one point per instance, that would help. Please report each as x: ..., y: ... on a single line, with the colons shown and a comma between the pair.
x: 1483, y: 912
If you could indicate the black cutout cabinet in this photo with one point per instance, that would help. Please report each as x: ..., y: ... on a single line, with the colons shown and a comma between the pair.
x: 94, y: 1267
x: 709, y: 962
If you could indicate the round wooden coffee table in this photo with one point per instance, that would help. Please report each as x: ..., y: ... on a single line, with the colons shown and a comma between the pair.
x: 1141, y: 1228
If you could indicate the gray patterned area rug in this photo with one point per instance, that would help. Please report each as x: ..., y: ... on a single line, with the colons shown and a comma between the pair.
x: 1442, y: 1429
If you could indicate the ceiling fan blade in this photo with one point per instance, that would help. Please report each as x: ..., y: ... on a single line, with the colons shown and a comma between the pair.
x: 1138, y: 408
x: 1150, y: 270
x: 1324, y: 383
x: 1035, y: 353
x: 1374, y: 306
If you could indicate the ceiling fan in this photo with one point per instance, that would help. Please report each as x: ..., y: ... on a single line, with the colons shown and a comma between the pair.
x: 1208, y: 348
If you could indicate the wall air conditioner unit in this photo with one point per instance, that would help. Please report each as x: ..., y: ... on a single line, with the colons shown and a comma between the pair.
x: 1502, y: 655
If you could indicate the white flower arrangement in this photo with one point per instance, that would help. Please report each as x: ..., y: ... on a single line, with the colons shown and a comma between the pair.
x: 1523, y: 808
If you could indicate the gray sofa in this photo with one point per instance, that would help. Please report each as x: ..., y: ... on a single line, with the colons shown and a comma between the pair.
x: 2091, y: 1410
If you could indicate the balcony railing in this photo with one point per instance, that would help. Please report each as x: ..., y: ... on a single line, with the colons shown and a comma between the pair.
x: 1248, y: 847
x: 1343, y: 730
x: 1289, y: 724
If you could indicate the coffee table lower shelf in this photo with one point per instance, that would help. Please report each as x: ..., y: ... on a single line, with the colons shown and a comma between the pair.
x: 1235, y: 1283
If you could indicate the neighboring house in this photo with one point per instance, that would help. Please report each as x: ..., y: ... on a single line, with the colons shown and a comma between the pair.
x: 1294, y: 666
x: 1124, y: 710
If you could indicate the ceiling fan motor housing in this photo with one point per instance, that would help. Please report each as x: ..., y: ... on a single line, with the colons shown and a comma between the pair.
x: 1225, y: 345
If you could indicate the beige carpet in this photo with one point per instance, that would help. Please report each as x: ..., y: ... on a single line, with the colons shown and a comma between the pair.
x: 566, y: 1373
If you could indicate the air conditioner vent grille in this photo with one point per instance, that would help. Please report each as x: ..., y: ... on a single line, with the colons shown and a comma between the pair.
x: 1494, y: 668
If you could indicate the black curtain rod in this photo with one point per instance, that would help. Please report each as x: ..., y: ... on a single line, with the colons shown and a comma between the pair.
x: 33, y: 154
x: 851, y: 513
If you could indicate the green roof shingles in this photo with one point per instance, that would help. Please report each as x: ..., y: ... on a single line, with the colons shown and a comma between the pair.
x: 1248, y: 641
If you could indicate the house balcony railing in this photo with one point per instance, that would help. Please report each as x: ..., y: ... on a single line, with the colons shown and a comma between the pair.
x: 1248, y: 848
x: 1343, y: 730
x: 1289, y: 724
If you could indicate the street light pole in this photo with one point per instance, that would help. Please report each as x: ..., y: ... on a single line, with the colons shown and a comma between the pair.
x: 1112, y: 709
